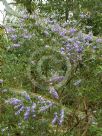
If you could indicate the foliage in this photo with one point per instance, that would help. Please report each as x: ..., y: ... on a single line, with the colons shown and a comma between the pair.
x: 60, y: 66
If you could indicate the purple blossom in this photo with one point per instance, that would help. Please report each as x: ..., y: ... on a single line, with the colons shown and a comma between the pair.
x: 27, y: 36
x: 61, y: 117
x: 56, y: 28
x: 76, y: 46
x: 62, y: 50
x: 34, y: 16
x: 71, y: 40
x: 99, y: 40
x: 21, y: 20
x: 1, y: 81
x: 20, y: 110
x: 44, y: 108
x: 64, y: 42
x: 78, y: 42
x: 56, y: 78
x: 14, y: 101
x: 33, y: 107
x: 68, y: 47
x: 10, y: 30
x: 80, y: 36
x: 27, y: 113
x: 72, y: 31
x: 16, y: 45
x: 25, y: 16
x: 49, y: 21
x: 88, y: 38
x: 27, y: 97
x: 41, y: 100
x: 13, y: 37
x: 18, y: 106
x: 53, y: 92
x: 62, y: 32
x: 55, y: 119
x: 94, y: 47
x: 79, y: 50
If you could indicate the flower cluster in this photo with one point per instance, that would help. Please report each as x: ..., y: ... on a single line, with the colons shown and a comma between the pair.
x: 53, y: 92
x: 44, y: 104
x: 20, y: 107
x: 30, y: 109
x: 57, y: 119
x: 73, y: 42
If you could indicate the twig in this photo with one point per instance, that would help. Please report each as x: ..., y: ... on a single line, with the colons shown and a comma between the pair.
x: 85, y: 131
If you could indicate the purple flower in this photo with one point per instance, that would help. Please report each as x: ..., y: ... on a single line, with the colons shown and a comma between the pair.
x: 10, y: 30
x: 27, y: 36
x: 14, y: 101
x: 53, y: 92
x: 56, y: 28
x: 21, y: 20
x: 94, y: 47
x: 64, y: 43
x: 72, y: 31
x: 99, y: 40
x: 79, y: 50
x: 44, y: 108
x: 76, y: 46
x: 71, y: 40
x: 33, y: 107
x: 80, y: 36
x: 78, y: 42
x: 33, y: 16
x: 27, y: 113
x: 13, y: 37
x: 1, y: 81
x: 62, y: 50
x: 55, y: 119
x: 18, y: 106
x: 41, y: 100
x: 88, y: 38
x: 62, y: 32
x: 25, y: 16
x: 16, y: 45
x: 68, y: 46
x: 61, y: 117
x: 27, y: 97
x: 20, y: 110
